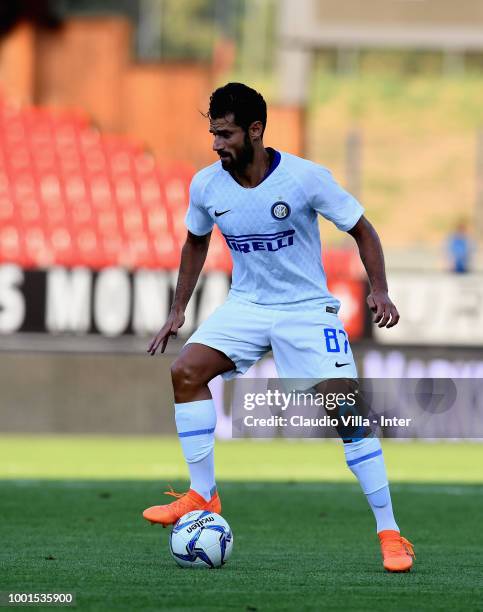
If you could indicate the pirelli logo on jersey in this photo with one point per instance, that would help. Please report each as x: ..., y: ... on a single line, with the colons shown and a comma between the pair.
x: 260, y: 242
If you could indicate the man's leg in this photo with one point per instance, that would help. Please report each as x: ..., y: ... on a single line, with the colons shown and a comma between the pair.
x: 195, y: 411
x: 195, y: 417
x: 362, y: 449
x: 313, y: 345
x: 240, y: 334
x: 365, y: 459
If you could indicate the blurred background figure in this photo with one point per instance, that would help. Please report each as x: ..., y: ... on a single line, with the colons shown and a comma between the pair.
x: 460, y: 249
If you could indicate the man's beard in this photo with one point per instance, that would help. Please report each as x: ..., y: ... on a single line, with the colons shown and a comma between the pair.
x: 243, y: 159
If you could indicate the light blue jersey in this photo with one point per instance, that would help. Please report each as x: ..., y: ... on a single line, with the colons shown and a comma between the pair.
x: 272, y: 230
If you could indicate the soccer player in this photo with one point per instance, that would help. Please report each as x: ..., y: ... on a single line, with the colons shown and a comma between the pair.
x: 266, y: 203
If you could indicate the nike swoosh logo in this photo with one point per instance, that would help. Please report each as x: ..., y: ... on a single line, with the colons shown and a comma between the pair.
x: 340, y: 365
x: 223, y: 212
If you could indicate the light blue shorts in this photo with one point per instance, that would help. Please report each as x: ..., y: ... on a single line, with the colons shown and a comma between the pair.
x: 307, y: 344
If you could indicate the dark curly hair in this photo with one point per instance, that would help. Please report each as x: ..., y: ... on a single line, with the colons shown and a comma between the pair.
x: 246, y: 104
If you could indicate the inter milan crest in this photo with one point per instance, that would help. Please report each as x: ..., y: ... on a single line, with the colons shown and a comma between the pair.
x: 280, y: 210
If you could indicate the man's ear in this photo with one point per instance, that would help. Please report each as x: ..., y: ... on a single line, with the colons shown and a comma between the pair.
x: 255, y: 130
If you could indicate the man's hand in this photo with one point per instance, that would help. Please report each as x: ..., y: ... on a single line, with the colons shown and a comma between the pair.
x: 386, y: 314
x: 193, y: 255
x: 370, y: 250
x: 170, y: 328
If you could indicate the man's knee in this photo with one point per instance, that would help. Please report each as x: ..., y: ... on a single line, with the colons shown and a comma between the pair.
x: 186, y: 375
x: 348, y: 406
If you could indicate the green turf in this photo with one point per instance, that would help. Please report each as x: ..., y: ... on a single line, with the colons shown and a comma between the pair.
x: 299, y: 543
x: 160, y: 458
x: 299, y: 546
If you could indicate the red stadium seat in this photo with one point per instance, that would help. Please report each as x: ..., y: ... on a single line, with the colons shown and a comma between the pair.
x: 157, y: 220
x: 62, y: 246
x: 151, y: 192
x: 69, y: 160
x: 108, y: 221
x: 81, y: 215
x: 179, y: 230
x: 138, y: 252
x: 75, y: 187
x: 89, y: 139
x: 23, y: 185
x: 95, y: 161
x: 132, y: 221
x: 166, y: 252
x: 89, y: 250
x: 144, y: 165
x: 6, y: 210
x: 55, y: 213
x: 44, y: 160
x: 101, y: 191
x: 18, y: 158
x: 37, y: 247
x: 50, y: 188
x: 11, y: 248
x: 176, y: 181
x: 28, y: 211
x: 112, y: 248
x: 125, y: 191
x: 70, y: 195
x: 218, y: 257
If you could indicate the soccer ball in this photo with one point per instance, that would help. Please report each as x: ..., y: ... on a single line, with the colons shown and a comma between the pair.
x: 201, y: 539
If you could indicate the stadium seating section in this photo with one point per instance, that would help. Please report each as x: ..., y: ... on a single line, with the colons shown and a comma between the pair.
x: 72, y: 196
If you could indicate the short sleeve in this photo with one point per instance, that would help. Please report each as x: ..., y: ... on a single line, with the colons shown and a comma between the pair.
x: 332, y: 201
x: 197, y: 220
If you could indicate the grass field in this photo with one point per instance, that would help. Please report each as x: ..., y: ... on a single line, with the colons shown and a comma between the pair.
x: 304, y: 536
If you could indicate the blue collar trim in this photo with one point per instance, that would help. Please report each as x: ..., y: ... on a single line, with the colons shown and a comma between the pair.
x: 276, y: 157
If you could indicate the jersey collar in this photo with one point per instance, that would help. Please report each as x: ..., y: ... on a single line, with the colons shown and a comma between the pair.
x: 275, y: 158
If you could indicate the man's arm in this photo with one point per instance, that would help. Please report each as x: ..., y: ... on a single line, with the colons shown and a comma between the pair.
x: 370, y: 250
x: 193, y: 255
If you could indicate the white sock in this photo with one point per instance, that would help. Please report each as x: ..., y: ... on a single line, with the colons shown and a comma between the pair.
x: 195, y: 423
x: 202, y: 474
x: 381, y: 505
x: 365, y: 460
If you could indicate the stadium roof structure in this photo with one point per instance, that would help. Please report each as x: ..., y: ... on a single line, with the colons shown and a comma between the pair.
x: 309, y: 25
x: 434, y: 24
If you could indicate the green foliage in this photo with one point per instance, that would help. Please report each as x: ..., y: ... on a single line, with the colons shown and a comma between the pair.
x: 456, y: 102
x: 187, y: 29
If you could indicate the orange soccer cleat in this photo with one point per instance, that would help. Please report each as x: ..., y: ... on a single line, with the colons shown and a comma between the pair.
x: 397, y: 552
x: 185, y: 502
